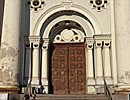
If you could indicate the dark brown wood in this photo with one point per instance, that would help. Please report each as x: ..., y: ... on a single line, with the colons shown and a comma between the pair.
x: 68, y: 69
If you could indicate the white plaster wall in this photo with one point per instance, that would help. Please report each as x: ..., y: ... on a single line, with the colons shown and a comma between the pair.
x: 122, y: 18
x: 103, y: 17
x: 9, y: 53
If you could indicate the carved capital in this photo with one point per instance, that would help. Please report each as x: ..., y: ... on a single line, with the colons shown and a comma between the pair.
x: 36, y: 45
x: 98, y: 43
x: 107, y: 44
x: 45, y: 45
x: 89, y: 42
x: 35, y: 40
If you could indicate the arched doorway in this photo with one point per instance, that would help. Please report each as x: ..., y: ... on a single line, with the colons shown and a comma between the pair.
x: 68, y: 68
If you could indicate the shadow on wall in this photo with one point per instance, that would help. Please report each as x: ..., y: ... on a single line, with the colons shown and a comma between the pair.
x: 1, y: 17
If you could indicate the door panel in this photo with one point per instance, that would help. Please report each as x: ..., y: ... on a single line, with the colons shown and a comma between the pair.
x: 77, y: 70
x: 59, y: 70
x: 68, y: 69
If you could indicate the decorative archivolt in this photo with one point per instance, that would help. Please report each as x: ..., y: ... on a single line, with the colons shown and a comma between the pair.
x: 69, y: 36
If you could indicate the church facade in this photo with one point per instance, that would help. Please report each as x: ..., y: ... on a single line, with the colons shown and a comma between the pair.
x: 64, y: 46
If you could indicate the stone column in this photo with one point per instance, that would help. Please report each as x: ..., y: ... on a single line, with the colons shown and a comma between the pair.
x: 10, y: 46
x: 107, y: 64
x: 35, y: 40
x: 99, y: 67
x: 90, y: 66
x: 45, y: 65
x: 27, y: 69
x: 36, y: 65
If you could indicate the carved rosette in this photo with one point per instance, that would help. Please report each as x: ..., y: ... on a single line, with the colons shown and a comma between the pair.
x: 98, y: 4
x: 36, y: 5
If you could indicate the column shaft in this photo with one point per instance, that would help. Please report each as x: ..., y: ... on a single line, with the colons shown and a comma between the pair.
x: 45, y: 65
x: 99, y: 67
x: 99, y: 72
x: 107, y: 67
x: 36, y: 63
x: 27, y: 70
x: 90, y: 64
x: 107, y: 64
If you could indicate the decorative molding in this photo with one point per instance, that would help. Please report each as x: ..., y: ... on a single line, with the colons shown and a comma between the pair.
x: 36, y: 40
x: 45, y: 44
x: 102, y: 37
x: 67, y: 4
x: 36, y: 5
x: 98, y: 4
x: 107, y: 43
x: 89, y: 42
x: 69, y: 36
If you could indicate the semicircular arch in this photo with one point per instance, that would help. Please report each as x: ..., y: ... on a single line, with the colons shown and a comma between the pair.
x: 58, y: 8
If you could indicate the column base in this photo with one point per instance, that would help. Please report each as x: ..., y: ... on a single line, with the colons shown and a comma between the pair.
x: 35, y: 82
x: 91, y: 90
x: 45, y: 86
x: 109, y: 80
x: 45, y: 91
x: 99, y: 81
x: 99, y: 89
x: 91, y: 81
x: 9, y: 89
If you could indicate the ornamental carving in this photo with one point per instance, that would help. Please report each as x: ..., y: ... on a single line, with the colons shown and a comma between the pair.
x: 70, y: 36
x: 67, y: 4
x: 36, y: 5
x: 98, y: 4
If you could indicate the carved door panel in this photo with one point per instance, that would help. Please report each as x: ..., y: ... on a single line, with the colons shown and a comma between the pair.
x: 77, y: 69
x: 68, y: 69
x: 59, y: 69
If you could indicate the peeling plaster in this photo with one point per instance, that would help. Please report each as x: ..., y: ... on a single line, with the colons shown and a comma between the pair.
x: 125, y: 77
x: 8, y: 64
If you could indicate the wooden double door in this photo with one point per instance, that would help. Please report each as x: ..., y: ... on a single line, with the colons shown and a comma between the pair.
x: 68, y: 69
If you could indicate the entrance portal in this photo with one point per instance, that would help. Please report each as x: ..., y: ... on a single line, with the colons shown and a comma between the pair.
x: 68, y: 69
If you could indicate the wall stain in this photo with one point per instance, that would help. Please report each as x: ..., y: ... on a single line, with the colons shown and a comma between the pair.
x: 125, y: 77
x: 8, y: 70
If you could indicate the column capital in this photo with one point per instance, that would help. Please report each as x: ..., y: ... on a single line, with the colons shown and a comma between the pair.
x: 45, y: 45
x: 89, y: 42
x: 99, y: 43
x: 32, y: 39
x: 107, y: 43
x: 36, y: 40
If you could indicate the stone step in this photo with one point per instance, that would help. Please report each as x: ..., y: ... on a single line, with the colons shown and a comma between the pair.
x: 69, y: 97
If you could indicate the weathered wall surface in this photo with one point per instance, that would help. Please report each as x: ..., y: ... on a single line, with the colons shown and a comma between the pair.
x: 10, y: 44
x: 1, y: 15
x: 122, y: 18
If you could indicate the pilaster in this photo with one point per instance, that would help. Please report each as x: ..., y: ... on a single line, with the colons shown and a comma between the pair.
x: 45, y: 65
x: 99, y: 63
x: 35, y: 42
x: 107, y: 62
x: 90, y: 66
